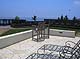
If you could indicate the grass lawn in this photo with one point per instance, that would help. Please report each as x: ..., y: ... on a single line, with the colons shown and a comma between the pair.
x: 15, y: 30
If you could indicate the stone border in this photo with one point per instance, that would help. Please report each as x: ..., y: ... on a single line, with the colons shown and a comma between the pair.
x: 14, y: 38
x: 64, y: 33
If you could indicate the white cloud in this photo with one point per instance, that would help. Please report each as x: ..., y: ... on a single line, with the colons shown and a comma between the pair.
x: 77, y: 2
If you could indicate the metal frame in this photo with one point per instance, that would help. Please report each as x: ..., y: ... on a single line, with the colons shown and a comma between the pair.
x: 38, y: 32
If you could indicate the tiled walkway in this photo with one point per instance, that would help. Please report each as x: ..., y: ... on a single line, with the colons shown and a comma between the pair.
x: 23, y: 49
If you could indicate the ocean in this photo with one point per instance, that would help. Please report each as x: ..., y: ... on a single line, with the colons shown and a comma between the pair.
x: 37, y: 19
x: 26, y: 18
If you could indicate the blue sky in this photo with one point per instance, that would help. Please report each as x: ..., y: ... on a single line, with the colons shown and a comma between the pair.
x: 40, y: 8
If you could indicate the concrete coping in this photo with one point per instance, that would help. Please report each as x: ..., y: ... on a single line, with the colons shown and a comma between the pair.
x: 62, y: 30
x: 30, y: 31
x: 14, y: 34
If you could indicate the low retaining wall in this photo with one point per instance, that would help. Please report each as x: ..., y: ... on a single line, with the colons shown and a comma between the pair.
x: 65, y: 33
x: 14, y: 38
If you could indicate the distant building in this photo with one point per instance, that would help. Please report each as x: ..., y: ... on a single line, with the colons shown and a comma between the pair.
x: 7, y: 21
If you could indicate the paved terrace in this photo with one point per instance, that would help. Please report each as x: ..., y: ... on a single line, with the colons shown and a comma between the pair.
x: 23, y: 49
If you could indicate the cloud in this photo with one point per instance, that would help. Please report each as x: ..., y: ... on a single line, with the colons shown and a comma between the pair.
x: 77, y: 2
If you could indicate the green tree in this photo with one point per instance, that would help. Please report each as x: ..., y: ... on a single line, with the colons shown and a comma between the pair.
x: 62, y: 17
x: 17, y: 18
x: 58, y: 18
x: 74, y: 18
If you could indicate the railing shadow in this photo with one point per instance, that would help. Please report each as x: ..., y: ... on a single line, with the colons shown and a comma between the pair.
x: 43, y: 56
x: 50, y: 51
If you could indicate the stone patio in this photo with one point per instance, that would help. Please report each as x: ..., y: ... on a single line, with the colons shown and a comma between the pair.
x: 24, y: 48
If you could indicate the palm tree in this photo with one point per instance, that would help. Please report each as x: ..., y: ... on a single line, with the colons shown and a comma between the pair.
x: 75, y: 21
x: 34, y: 18
x: 66, y: 18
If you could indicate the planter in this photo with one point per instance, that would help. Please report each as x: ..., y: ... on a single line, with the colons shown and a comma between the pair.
x: 65, y: 33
